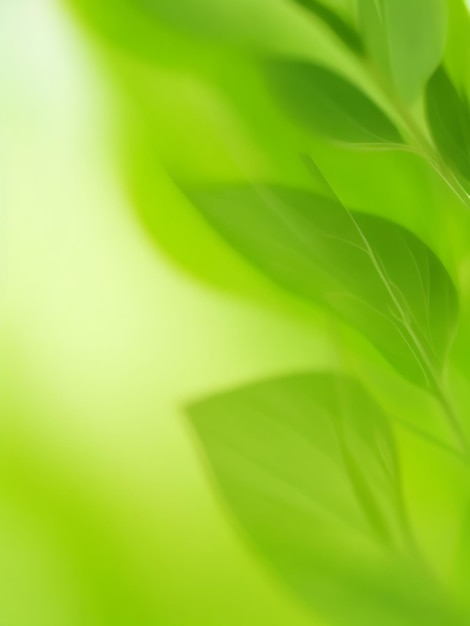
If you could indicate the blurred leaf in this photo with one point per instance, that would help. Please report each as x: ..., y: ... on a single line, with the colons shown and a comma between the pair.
x: 406, y: 39
x: 377, y: 275
x: 448, y: 115
x: 344, y: 31
x: 457, y: 55
x: 328, y: 104
x: 308, y: 465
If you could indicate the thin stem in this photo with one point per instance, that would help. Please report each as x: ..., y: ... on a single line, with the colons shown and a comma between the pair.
x: 422, y: 356
x: 427, y: 150
x: 418, y: 138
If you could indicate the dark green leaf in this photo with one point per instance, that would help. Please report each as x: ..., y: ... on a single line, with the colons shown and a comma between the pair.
x: 328, y: 104
x: 448, y: 115
x: 406, y: 38
x: 308, y: 465
x: 378, y: 276
x: 344, y: 31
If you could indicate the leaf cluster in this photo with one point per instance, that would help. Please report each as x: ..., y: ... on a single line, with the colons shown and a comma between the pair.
x: 314, y: 466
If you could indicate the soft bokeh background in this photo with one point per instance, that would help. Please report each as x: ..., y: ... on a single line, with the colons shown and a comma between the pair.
x: 106, y: 516
x: 119, y: 306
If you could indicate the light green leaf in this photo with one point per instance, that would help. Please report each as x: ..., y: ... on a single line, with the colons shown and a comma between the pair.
x: 375, y: 274
x: 457, y: 54
x: 308, y: 465
x: 448, y: 114
x: 328, y: 104
x: 406, y: 39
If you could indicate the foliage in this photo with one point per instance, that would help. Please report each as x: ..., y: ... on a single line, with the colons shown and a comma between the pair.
x: 361, y: 209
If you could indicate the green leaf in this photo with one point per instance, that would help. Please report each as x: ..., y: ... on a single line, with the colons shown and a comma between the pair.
x: 375, y: 274
x: 406, y: 38
x: 458, y: 38
x: 308, y: 465
x: 328, y: 104
x: 448, y: 115
x: 340, y: 27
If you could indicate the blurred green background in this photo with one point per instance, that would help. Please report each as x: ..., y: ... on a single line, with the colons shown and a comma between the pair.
x: 106, y: 515
x: 119, y: 305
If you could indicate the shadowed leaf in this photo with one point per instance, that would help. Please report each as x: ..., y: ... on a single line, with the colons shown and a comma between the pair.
x: 328, y: 104
x: 375, y: 274
x: 448, y: 115
x: 344, y: 31
x: 307, y: 463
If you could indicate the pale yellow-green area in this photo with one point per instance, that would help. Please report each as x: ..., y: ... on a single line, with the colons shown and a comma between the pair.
x: 107, y: 516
